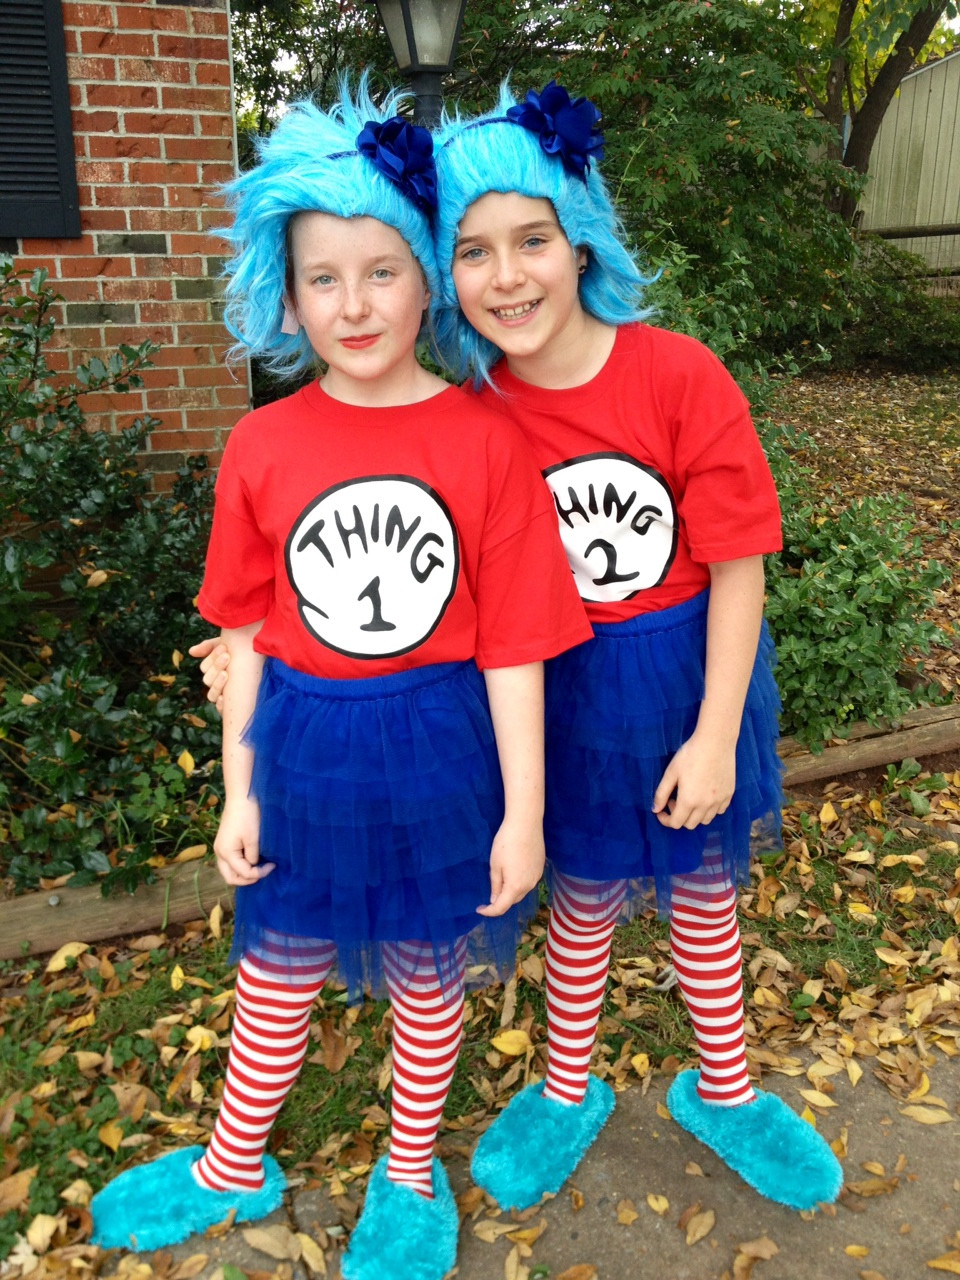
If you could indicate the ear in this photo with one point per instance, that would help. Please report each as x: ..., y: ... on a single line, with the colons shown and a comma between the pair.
x: 581, y: 260
x: 291, y: 320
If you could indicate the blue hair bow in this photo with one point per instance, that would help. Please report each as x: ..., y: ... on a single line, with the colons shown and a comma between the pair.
x: 563, y: 127
x: 403, y: 152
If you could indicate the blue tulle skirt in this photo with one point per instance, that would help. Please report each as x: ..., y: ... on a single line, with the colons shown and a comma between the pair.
x: 618, y: 709
x: 379, y: 801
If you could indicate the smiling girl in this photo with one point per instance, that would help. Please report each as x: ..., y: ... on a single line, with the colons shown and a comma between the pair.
x: 661, y: 732
x: 379, y: 539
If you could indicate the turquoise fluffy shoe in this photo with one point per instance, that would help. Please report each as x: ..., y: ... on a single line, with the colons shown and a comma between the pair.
x: 161, y: 1203
x: 767, y: 1143
x: 535, y: 1144
x: 401, y: 1235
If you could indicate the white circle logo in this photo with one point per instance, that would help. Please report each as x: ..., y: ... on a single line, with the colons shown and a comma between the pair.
x: 618, y: 524
x: 374, y: 563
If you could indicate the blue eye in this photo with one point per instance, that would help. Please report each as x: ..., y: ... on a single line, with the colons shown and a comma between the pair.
x: 323, y: 278
x: 382, y: 273
x: 471, y: 255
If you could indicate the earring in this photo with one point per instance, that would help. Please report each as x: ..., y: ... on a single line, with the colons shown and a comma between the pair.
x: 290, y: 324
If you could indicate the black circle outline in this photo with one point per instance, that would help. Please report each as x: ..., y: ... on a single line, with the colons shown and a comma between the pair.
x: 344, y: 484
x: 651, y: 471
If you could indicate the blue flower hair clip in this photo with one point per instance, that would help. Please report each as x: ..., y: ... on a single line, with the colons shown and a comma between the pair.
x: 563, y: 127
x: 403, y: 152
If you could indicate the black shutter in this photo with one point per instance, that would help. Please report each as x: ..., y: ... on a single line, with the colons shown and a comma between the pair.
x: 38, y: 176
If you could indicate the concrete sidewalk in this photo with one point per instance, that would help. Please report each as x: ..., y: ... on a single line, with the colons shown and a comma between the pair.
x: 907, y: 1212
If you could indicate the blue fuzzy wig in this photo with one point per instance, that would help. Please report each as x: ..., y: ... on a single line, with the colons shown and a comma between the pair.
x: 491, y: 153
x: 309, y: 163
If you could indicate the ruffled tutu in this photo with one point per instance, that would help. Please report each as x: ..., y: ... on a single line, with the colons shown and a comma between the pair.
x: 618, y: 708
x: 379, y: 801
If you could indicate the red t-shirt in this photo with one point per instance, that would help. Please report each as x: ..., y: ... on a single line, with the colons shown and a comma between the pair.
x: 655, y: 468
x: 374, y: 540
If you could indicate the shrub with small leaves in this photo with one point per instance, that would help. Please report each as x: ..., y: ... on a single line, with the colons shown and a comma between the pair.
x: 108, y: 756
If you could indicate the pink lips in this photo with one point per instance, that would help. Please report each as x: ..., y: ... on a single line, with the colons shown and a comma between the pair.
x: 360, y: 342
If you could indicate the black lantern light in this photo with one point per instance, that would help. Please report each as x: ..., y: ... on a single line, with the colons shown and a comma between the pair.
x: 423, y: 35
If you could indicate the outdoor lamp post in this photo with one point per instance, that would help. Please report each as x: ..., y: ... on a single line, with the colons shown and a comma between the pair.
x: 423, y: 35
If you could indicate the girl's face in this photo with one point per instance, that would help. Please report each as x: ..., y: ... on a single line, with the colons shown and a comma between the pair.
x: 516, y: 276
x: 359, y: 293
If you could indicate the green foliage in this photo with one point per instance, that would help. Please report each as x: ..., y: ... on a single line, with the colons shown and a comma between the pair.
x: 845, y: 604
x: 97, y: 578
x: 899, y: 326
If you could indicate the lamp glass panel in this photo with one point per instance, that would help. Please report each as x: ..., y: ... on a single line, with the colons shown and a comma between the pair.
x: 391, y: 13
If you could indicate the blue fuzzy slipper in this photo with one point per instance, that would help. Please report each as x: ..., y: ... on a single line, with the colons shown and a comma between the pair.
x: 767, y: 1143
x: 154, y: 1205
x: 401, y: 1235
x: 535, y: 1144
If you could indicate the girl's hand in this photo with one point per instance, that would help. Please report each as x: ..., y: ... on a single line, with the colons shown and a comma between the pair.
x: 215, y: 657
x: 237, y: 844
x: 698, y: 783
x: 516, y: 865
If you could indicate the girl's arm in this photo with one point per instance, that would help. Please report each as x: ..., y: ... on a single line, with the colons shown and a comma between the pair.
x: 700, y: 779
x: 237, y: 844
x: 515, y: 695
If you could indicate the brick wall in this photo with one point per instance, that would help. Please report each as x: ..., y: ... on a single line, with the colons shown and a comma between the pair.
x: 151, y: 100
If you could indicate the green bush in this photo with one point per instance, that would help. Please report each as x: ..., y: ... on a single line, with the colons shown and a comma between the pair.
x: 899, y: 326
x: 845, y: 604
x: 101, y: 734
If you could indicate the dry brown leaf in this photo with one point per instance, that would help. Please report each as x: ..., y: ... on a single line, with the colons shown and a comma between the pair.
x: 857, y: 1250
x: 513, y: 1267
x: 489, y: 1231
x: 700, y: 1225
x: 659, y: 1204
x: 576, y: 1200
x: 42, y: 1230
x: 762, y: 1247
x: 528, y: 1235
x: 926, y: 1115
x: 693, y: 1170
x: 581, y: 1271
x: 512, y: 1043
x: 873, y: 1187
x: 189, y: 1267
x: 278, y: 1242
x: 626, y: 1212
x: 946, y: 1262
x: 312, y: 1254
x: 110, y: 1134
x: 69, y: 951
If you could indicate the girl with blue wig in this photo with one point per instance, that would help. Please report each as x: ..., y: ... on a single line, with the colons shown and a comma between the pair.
x: 380, y: 539
x: 662, y: 767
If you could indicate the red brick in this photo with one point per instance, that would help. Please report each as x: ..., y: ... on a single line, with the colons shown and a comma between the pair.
x: 104, y: 220
x: 174, y: 312
x: 206, y: 418
x: 219, y: 126
x: 103, y: 69
x: 78, y: 339
x: 214, y: 219
x: 187, y: 197
x: 192, y: 99
x: 207, y: 22
x: 199, y: 149
x: 163, y: 70
x: 233, y: 397
x: 211, y: 376
x: 108, y: 146
x: 212, y: 73
x: 191, y: 244
x: 113, y: 402
x: 183, y: 398
x: 76, y: 95
x: 185, y: 220
x: 71, y: 41
x: 148, y: 17
x: 95, y: 121
x: 191, y: 48
x: 79, y: 290
x: 163, y: 335
x: 165, y: 123
x: 192, y: 441
x: 128, y: 44
x: 196, y: 334
x: 128, y: 290
x: 154, y: 378
x: 165, y: 172
x: 124, y: 197
x: 215, y: 172
x: 77, y: 268
x: 54, y: 248
x: 101, y: 172
x: 181, y: 356
x: 88, y: 15
x: 122, y: 95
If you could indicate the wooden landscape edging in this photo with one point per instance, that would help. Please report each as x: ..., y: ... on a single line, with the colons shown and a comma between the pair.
x: 40, y: 922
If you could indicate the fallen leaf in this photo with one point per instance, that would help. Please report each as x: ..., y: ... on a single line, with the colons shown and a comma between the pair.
x: 187, y: 763
x: 581, y: 1271
x: 489, y: 1231
x: 512, y: 1043
x: 640, y: 1063
x: 79, y: 1193
x: 626, y: 1212
x: 576, y: 1200
x: 110, y: 1134
x: 946, y: 1262
x: 193, y: 851
x: 277, y: 1241
x: 312, y: 1254
x: 873, y: 1187
x: 816, y: 1098
x: 189, y: 1267
x: 926, y: 1115
x: 762, y: 1247
x: 69, y: 951
x: 700, y: 1225
x: 693, y: 1170
x: 42, y: 1230
x: 857, y: 1250
x: 659, y: 1204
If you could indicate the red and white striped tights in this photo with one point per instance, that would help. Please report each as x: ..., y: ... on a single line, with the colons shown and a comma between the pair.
x: 705, y: 947
x: 268, y: 1043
